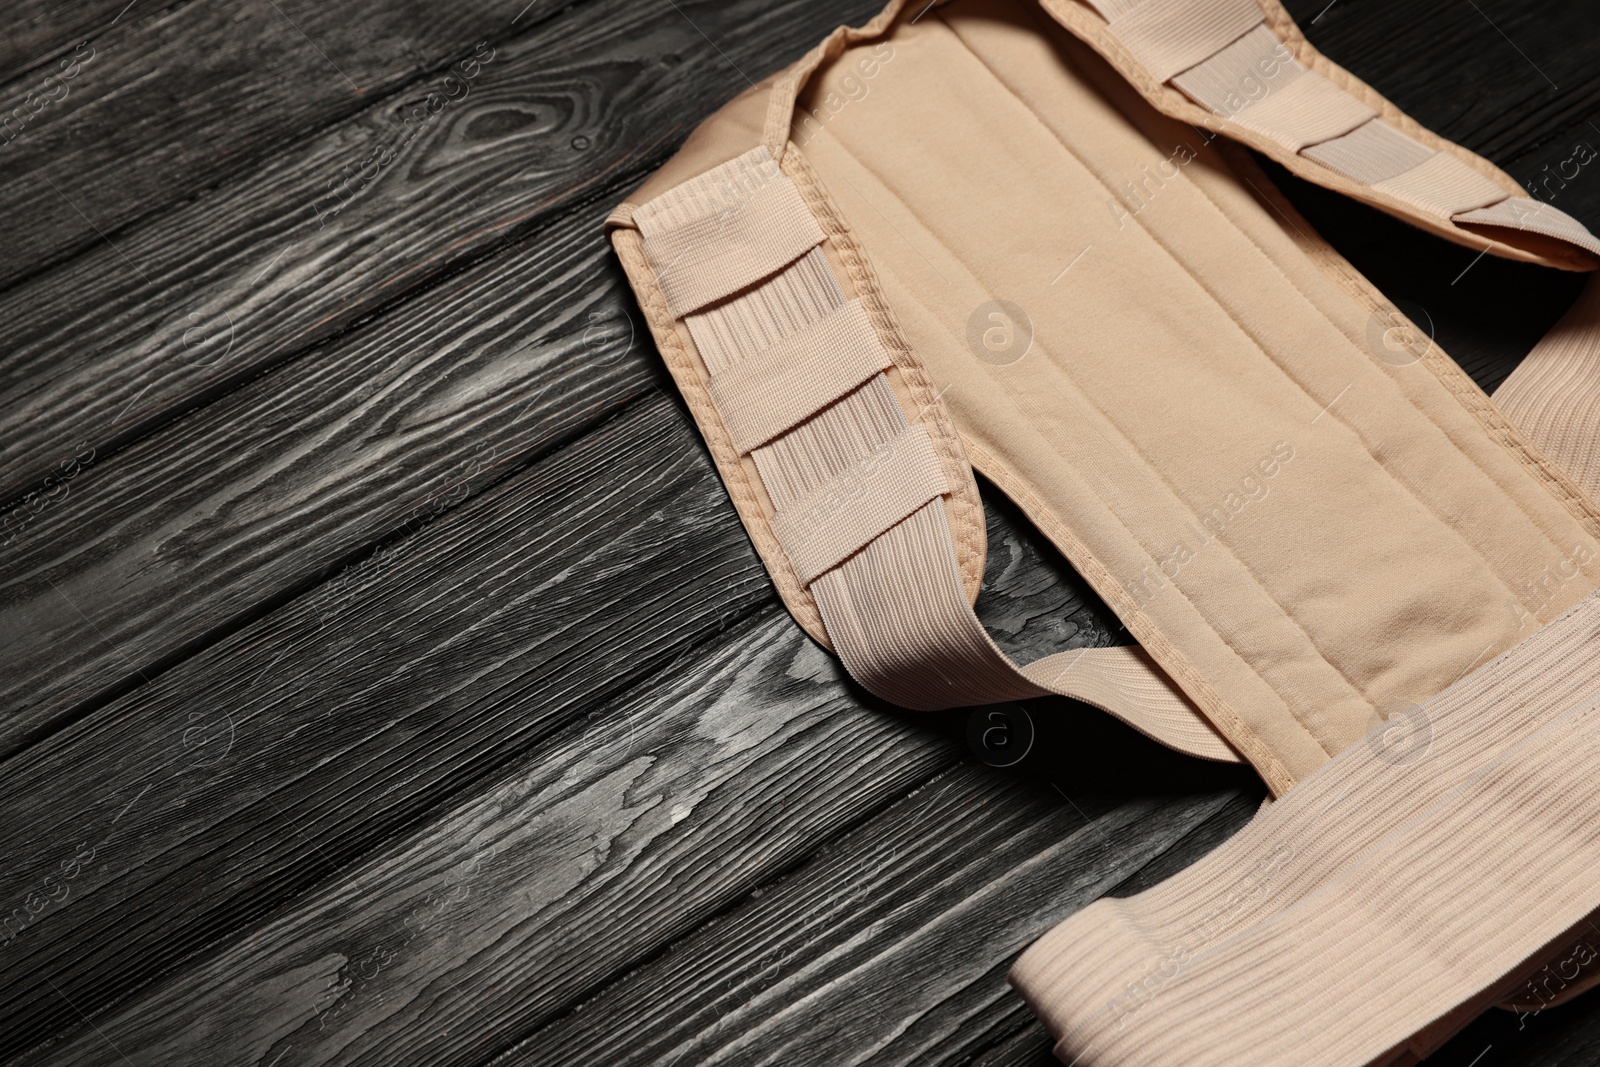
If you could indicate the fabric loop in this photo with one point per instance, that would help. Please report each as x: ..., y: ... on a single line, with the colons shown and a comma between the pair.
x: 838, y: 518
x: 1170, y: 36
x: 778, y: 387
x: 1307, y: 111
x: 1442, y: 185
x: 725, y: 230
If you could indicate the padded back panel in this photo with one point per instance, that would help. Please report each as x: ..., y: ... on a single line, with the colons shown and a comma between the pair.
x: 1196, y: 392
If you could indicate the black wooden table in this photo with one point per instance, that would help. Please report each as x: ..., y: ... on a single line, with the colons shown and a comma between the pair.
x: 386, y: 678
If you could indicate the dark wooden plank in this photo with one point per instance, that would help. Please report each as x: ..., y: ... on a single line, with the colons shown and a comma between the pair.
x: 174, y: 104
x: 260, y: 766
x: 606, y: 842
x: 1029, y: 1047
x: 1032, y: 602
x: 1026, y: 607
x: 40, y: 34
x: 620, y: 834
x: 124, y: 338
x: 892, y: 946
x: 189, y: 534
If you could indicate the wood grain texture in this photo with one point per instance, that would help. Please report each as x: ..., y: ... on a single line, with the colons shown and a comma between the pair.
x: 473, y: 732
x: 1032, y: 602
x: 796, y: 715
x: 168, y: 106
x: 892, y: 946
x: 606, y: 842
x: 371, y: 210
x: 268, y: 762
x: 180, y: 538
x: 1029, y: 1047
x: 39, y: 34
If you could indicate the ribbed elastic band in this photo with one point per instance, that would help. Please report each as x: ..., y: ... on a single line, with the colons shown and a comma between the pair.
x: 1375, y: 907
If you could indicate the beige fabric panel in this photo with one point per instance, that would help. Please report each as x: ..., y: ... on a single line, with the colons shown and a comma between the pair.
x: 847, y: 486
x: 1443, y: 185
x: 1269, y: 949
x: 1186, y: 344
x: 803, y: 292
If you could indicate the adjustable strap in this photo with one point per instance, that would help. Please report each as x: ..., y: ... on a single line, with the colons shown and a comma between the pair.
x: 797, y: 374
x: 1554, y: 394
x: 1351, y: 922
x: 1224, y: 57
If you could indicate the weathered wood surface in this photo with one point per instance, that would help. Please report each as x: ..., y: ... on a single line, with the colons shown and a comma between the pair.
x: 165, y: 106
x: 639, y: 821
x: 186, y: 535
x: 394, y: 684
x: 368, y: 211
x: 905, y: 931
x: 40, y: 34
x: 355, y: 709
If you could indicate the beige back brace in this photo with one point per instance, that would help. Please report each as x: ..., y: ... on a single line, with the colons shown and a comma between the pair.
x: 999, y: 234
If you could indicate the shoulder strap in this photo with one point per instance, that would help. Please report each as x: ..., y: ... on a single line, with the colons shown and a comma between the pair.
x: 803, y: 385
x: 1554, y: 394
x: 798, y: 379
x: 1242, y: 68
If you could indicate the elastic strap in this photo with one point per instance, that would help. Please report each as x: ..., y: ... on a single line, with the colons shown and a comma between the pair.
x: 1356, y: 920
x: 856, y: 487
